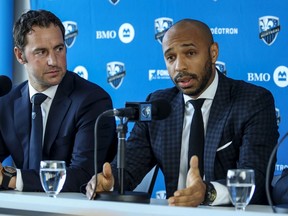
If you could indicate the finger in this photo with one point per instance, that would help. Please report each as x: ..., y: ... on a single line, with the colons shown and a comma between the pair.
x: 107, y: 171
x: 194, y: 169
x: 183, y: 201
x: 90, y: 188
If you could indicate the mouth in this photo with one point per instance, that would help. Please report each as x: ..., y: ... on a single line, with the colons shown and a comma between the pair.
x: 53, y: 72
x: 186, y: 81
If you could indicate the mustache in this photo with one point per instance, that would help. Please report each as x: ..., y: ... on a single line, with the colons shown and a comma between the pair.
x: 182, y: 74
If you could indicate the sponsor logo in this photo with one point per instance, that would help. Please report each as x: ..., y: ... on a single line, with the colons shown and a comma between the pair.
x: 221, y: 66
x: 280, y: 167
x: 161, y: 25
x: 280, y: 76
x: 115, y: 73
x: 81, y: 71
x: 269, y: 26
x: 71, y: 31
x: 114, y: 2
x: 126, y: 33
x: 258, y: 77
x: 158, y: 74
x: 224, y: 31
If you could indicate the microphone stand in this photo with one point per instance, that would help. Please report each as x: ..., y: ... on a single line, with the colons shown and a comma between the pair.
x: 122, y: 195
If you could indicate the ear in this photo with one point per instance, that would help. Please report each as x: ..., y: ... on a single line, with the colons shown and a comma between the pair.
x: 19, y: 55
x: 214, y: 52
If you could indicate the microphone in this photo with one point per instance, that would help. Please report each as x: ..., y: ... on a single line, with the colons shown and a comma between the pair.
x: 5, y: 85
x: 134, y: 111
x: 143, y: 111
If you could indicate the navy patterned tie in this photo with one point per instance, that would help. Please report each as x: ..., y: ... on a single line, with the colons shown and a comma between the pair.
x: 36, y: 136
x: 196, y: 139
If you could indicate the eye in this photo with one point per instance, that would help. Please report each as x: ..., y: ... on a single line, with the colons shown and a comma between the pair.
x: 170, y: 58
x: 40, y: 52
x: 191, y: 52
x: 60, y: 48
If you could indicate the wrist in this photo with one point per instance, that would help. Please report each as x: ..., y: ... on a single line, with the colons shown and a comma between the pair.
x: 8, y: 177
x: 210, y: 194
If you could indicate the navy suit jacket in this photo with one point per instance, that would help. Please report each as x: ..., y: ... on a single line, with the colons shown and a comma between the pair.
x: 69, y: 133
x: 241, y: 113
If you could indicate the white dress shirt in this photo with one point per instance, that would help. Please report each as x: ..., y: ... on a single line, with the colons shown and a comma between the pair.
x: 45, y: 107
x: 208, y: 94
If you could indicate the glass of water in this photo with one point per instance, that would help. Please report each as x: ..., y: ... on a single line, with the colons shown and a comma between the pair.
x: 52, y: 176
x: 241, y: 186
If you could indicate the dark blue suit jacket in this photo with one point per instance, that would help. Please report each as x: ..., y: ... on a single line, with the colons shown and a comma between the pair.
x: 69, y: 134
x: 241, y: 113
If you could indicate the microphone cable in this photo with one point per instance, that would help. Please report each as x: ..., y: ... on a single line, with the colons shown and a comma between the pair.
x: 267, y: 182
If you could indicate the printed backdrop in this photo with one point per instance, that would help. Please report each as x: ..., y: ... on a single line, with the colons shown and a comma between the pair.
x: 117, y: 44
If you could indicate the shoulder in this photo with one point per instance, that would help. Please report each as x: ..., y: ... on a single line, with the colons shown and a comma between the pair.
x: 81, y: 85
x: 243, y: 90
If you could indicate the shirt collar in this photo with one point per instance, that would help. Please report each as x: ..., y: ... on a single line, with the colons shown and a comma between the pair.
x: 50, y: 92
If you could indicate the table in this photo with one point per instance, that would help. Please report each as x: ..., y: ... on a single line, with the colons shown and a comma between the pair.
x: 26, y: 203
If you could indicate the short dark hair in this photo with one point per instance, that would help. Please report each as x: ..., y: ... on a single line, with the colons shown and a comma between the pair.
x: 30, y: 19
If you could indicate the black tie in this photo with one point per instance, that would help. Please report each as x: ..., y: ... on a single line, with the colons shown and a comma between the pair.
x: 196, y: 139
x: 35, y: 152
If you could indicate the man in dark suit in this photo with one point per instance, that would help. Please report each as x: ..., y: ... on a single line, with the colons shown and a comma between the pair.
x: 69, y: 111
x: 239, y: 121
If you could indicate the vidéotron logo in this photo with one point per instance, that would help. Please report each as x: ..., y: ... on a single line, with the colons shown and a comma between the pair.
x: 81, y: 71
x: 280, y: 76
x: 269, y: 26
x: 115, y: 73
x: 161, y: 25
x: 126, y: 33
x: 71, y: 31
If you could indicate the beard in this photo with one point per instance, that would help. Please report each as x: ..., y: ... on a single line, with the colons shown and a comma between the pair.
x: 204, y: 80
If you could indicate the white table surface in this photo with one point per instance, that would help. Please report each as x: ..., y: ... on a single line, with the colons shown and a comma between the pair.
x: 25, y: 203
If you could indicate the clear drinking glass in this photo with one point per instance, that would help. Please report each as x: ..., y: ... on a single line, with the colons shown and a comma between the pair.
x: 52, y: 176
x: 241, y: 186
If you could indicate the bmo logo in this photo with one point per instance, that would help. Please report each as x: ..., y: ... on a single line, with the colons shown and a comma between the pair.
x: 259, y: 77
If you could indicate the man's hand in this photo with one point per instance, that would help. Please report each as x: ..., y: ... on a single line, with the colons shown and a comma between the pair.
x: 105, y: 182
x: 194, y: 193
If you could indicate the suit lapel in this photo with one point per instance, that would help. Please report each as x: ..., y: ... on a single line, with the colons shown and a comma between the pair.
x: 22, y: 114
x: 58, y: 110
x: 220, y: 109
x: 173, y: 139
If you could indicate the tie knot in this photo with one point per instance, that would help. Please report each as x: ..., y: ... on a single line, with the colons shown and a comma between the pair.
x: 38, y: 98
x: 197, y: 104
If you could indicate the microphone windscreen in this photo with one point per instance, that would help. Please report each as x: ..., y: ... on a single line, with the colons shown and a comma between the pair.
x: 160, y: 109
x: 5, y: 85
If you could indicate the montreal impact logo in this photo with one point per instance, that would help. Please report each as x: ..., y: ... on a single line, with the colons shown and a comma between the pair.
x: 269, y: 26
x: 115, y: 73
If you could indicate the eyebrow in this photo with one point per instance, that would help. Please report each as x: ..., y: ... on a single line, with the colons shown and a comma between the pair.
x: 182, y: 45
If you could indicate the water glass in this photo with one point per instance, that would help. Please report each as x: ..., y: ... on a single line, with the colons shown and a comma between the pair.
x: 241, y: 186
x: 52, y: 176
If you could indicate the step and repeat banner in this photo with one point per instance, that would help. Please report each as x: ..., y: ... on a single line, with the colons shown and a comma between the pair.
x: 117, y: 44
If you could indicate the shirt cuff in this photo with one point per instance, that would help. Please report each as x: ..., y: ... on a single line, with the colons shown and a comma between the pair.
x: 19, y: 181
x: 222, y: 197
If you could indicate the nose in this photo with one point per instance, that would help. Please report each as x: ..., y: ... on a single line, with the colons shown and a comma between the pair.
x: 52, y: 59
x: 180, y: 64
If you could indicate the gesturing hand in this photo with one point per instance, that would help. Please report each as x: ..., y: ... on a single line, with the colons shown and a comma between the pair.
x: 194, y: 193
x: 105, y: 182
